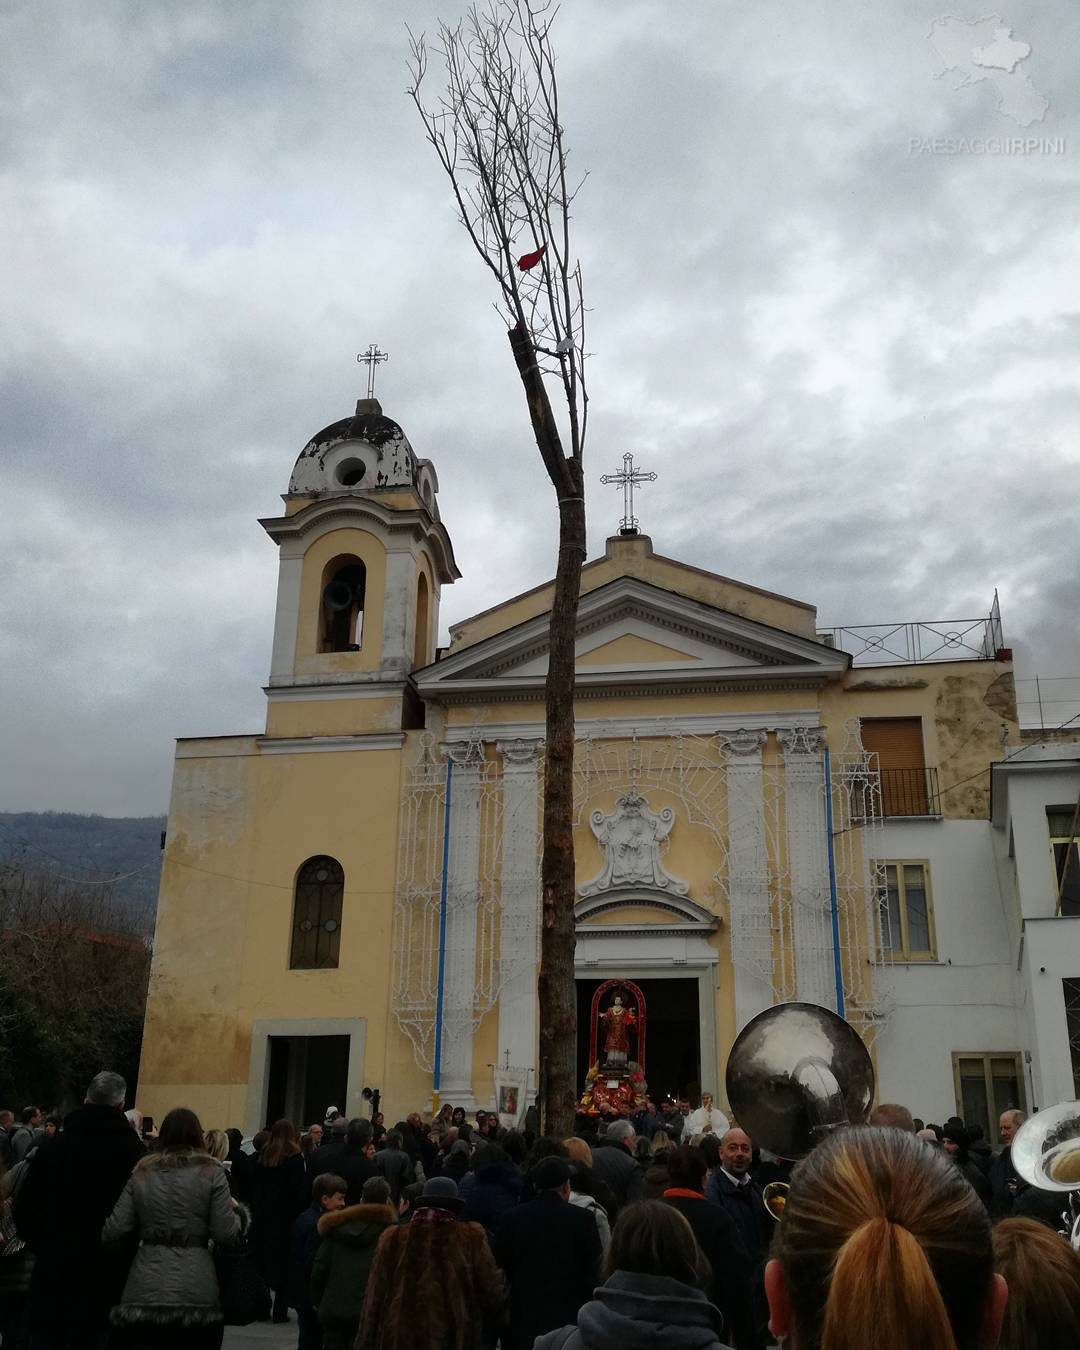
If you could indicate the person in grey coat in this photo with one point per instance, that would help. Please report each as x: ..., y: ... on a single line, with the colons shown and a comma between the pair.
x: 176, y: 1201
x: 614, y: 1164
x: 654, y: 1291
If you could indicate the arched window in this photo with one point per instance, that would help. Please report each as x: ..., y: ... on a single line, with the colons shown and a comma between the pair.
x: 420, y: 642
x: 316, y: 934
x: 341, y: 625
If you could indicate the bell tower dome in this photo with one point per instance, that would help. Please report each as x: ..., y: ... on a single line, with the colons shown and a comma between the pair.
x: 363, y: 559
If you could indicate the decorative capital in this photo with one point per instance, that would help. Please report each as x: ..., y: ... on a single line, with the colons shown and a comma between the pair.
x: 470, y: 751
x: 801, y: 741
x: 745, y: 741
x: 519, y: 751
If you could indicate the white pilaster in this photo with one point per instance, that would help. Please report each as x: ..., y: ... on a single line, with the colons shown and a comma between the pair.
x: 808, y: 863
x: 459, y: 973
x: 520, y: 906
x: 750, y: 911
x: 399, y: 596
x: 286, y: 617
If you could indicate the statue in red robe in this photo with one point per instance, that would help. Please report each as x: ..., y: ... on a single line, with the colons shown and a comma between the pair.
x: 615, y: 1024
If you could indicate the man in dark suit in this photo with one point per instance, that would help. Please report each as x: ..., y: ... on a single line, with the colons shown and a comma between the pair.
x: 72, y: 1183
x: 550, y: 1251
x: 718, y: 1238
x: 1005, y: 1181
x: 732, y: 1188
x: 350, y: 1158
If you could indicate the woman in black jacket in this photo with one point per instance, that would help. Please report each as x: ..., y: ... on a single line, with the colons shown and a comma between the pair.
x: 654, y: 1290
x: 279, y: 1192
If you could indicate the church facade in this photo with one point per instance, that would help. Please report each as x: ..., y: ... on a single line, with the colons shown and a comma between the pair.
x: 350, y: 898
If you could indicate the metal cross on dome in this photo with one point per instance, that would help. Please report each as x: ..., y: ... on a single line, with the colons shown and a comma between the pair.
x: 626, y: 478
x: 371, y: 359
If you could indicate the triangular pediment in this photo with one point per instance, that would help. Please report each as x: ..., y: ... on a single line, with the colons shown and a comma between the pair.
x: 631, y: 634
x: 630, y: 649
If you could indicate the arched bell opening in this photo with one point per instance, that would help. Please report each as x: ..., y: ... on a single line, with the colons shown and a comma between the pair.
x: 341, y: 626
x: 421, y: 642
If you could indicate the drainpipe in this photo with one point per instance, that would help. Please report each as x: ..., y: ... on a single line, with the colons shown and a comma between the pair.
x: 442, y: 941
x: 834, y: 907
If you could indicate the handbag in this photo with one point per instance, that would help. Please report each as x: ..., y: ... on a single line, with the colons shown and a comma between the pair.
x: 242, y: 1291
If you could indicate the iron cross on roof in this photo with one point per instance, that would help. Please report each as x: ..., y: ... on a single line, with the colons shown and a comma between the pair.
x: 371, y: 359
x: 626, y: 478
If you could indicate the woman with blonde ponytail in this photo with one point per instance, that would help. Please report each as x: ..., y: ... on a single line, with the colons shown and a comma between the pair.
x: 883, y: 1244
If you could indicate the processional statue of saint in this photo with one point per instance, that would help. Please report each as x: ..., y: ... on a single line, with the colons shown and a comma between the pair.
x: 616, y: 1023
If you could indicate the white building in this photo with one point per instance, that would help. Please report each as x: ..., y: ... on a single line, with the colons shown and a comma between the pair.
x: 1033, y: 814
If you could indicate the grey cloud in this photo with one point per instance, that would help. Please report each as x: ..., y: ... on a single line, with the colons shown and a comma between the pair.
x: 851, y: 365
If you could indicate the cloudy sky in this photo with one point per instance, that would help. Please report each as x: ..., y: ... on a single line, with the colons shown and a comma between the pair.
x: 851, y: 359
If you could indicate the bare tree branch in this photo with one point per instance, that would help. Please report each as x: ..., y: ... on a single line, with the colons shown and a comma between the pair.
x: 497, y: 133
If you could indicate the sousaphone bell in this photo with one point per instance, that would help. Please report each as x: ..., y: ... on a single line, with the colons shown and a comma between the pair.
x: 796, y: 1072
x: 1045, y: 1152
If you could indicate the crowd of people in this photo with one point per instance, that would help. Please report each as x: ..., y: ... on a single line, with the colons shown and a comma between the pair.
x: 460, y: 1235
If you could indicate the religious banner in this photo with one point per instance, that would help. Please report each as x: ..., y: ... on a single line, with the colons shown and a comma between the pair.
x: 511, y: 1090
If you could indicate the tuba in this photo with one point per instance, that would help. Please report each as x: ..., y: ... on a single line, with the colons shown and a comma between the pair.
x: 796, y: 1072
x: 1045, y: 1152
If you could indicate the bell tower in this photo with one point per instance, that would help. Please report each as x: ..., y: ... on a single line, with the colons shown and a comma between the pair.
x: 363, y: 559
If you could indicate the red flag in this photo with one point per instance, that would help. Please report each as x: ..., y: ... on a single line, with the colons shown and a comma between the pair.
x: 528, y: 260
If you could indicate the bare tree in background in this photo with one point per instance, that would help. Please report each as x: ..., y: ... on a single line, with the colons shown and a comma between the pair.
x: 74, y: 968
x: 497, y: 132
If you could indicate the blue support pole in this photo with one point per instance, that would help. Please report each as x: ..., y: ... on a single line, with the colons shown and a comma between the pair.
x: 838, y: 970
x: 442, y: 939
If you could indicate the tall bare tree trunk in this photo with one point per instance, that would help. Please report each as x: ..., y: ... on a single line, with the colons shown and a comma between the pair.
x: 498, y: 134
x: 557, y: 989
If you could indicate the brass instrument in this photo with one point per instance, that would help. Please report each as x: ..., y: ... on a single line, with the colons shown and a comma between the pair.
x: 775, y: 1198
x: 1046, y: 1153
x: 795, y: 1072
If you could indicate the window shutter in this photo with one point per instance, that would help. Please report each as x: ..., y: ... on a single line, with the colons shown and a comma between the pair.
x: 897, y: 741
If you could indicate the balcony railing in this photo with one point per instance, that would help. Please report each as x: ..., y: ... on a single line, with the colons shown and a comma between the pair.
x: 894, y: 792
x: 909, y: 792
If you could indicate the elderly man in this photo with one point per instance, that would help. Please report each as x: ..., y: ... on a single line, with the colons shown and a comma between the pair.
x: 615, y: 1165
x: 1005, y: 1181
x: 707, y: 1119
x: 71, y: 1186
x: 731, y: 1187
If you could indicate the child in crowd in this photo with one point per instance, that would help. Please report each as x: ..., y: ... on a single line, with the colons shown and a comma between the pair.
x: 327, y: 1196
x: 343, y: 1262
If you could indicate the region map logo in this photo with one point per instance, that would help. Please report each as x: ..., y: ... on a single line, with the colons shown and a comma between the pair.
x: 973, y: 51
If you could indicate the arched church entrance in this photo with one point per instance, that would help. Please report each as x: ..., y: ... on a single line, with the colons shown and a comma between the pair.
x: 673, y: 1043
x: 660, y: 946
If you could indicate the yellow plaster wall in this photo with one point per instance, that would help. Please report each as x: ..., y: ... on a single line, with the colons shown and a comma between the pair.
x: 240, y: 826
x: 631, y: 650
x: 634, y: 557
x: 640, y: 916
x: 309, y: 660
x: 333, y: 717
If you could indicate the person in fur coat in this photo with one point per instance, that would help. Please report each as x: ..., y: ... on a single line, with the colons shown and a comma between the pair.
x: 176, y: 1202
x: 434, y: 1284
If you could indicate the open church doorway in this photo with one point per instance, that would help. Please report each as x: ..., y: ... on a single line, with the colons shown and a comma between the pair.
x: 672, y: 1035
x: 306, y: 1075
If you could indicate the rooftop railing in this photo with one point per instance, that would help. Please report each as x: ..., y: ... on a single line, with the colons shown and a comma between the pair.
x: 887, y: 644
